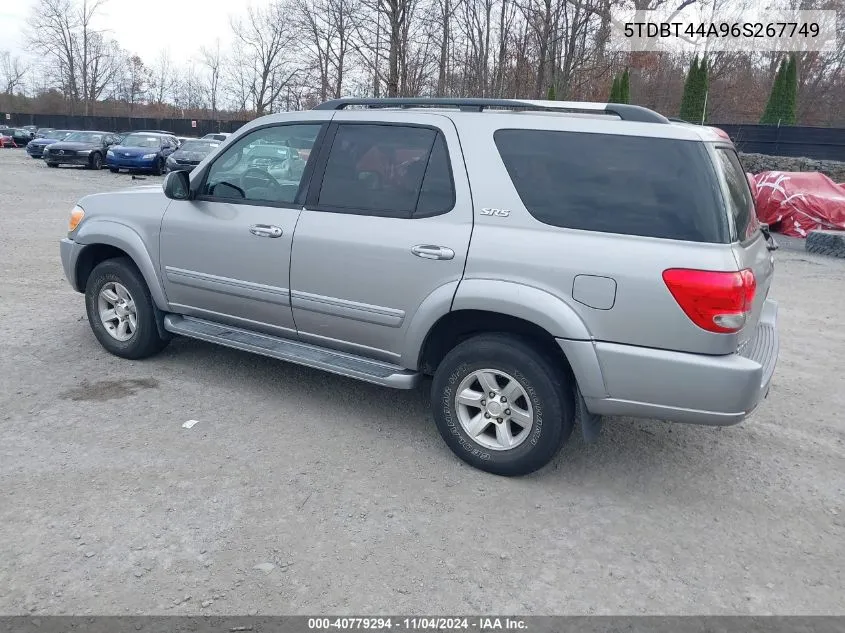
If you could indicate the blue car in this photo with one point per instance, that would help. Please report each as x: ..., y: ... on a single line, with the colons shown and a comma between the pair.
x: 35, y: 147
x: 142, y: 151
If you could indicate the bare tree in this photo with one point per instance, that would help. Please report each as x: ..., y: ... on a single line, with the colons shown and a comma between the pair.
x: 12, y: 72
x: 213, y: 62
x: 54, y: 33
x: 265, y: 39
x: 163, y: 78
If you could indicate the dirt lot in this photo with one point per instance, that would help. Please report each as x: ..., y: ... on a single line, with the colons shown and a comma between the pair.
x: 347, y: 499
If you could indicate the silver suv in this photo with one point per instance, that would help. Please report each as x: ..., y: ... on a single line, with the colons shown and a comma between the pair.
x: 544, y: 261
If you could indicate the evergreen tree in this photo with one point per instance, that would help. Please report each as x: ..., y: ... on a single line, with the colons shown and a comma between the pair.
x: 550, y: 95
x: 789, y: 108
x: 625, y: 88
x: 774, y: 108
x: 699, y: 103
x: 686, y: 112
x: 614, y: 90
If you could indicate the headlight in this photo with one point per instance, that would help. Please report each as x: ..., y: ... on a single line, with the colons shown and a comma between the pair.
x: 148, y: 156
x: 84, y: 152
x: 171, y: 160
x: 109, y: 153
x: 76, y: 216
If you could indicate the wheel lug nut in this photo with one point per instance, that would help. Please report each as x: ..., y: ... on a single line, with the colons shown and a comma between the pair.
x: 492, y: 394
x: 483, y: 402
x: 486, y: 415
x: 498, y: 419
x: 507, y: 411
x: 503, y: 399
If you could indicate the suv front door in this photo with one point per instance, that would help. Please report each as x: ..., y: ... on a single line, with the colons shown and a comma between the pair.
x: 225, y: 255
x: 386, y: 225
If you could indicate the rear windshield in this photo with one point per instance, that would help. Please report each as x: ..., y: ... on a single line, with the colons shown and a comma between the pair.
x: 632, y: 185
x: 739, y: 198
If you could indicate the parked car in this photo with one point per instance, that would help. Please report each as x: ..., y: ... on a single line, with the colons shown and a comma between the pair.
x: 142, y: 151
x: 35, y: 147
x: 79, y: 148
x: 218, y: 136
x: 190, y: 154
x: 32, y: 129
x: 565, y: 262
x: 43, y: 132
x: 20, y: 137
x: 6, y: 139
x: 153, y: 132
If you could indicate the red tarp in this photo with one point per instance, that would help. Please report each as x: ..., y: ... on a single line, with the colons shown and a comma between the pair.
x: 795, y: 203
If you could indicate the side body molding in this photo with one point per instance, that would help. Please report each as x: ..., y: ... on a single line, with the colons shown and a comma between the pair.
x: 125, y: 238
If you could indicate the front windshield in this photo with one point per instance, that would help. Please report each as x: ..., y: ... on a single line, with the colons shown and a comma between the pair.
x: 141, y: 140
x: 57, y: 134
x: 198, y: 146
x: 84, y: 137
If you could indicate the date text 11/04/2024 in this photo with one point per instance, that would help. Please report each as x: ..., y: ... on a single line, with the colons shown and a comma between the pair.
x: 418, y: 623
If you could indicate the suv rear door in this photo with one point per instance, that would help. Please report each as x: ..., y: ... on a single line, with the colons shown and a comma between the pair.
x: 386, y: 224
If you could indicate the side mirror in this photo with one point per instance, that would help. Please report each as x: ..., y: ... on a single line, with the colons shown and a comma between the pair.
x: 177, y: 185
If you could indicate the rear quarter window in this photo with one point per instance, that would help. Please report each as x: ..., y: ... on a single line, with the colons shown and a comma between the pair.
x: 632, y: 185
x: 739, y: 198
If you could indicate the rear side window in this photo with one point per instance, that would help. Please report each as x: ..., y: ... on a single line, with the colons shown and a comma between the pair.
x: 387, y: 171
x: 631, y: 185
x: 739, y: 198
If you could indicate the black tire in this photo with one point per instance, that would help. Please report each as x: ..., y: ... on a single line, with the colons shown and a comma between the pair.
x: 96, y: 161
x: 158, y: 170
x: 52, y: 164
x: 113, y: 170
x: 830, y: 243
x: 145, y: 341
x: 547, y: 387
x: 34, y: 157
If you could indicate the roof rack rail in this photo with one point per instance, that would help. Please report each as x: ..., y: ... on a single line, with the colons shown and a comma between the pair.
x: 625, y: 112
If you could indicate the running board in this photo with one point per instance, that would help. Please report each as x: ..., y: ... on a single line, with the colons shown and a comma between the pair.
x: 349, y: 365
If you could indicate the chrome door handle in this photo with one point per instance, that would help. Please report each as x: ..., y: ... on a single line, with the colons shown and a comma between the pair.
x: 428, y: 251
x: 265, y: 230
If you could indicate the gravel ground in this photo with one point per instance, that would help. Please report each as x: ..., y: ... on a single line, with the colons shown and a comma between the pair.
x: 303, y: 492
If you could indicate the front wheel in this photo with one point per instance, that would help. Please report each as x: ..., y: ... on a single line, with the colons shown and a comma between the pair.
x: 113, y: 170
x: 52, y: 164
x: 501, y: 405
x: 120, y: 310
x: 158, y: 170
x: 96, y: 161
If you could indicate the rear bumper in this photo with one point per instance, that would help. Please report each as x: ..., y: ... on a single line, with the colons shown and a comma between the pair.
x: 624, y: 380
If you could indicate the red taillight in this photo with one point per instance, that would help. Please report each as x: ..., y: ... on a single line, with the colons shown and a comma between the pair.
x: 714, y: 301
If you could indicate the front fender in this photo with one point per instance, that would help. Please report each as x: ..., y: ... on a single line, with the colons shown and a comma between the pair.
x: 125, y: 238
x: 531, y: 304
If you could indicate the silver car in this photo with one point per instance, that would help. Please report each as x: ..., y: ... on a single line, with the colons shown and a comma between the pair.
x: 546, y: 263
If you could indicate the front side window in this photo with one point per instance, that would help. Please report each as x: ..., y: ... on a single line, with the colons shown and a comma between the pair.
x: 266, y: 165
x: 630, y: 185
x: 740, y: 200
x: 387, y: 170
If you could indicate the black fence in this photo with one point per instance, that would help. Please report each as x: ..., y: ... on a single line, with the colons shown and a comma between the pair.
x: 821, y: 143
x: 179, y: 127
x: 808, y: 142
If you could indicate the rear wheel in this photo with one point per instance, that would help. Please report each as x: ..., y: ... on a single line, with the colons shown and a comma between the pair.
x: 96, y: 161
x: 113, y: 170
x: 120, y: 310
x: 501, y: 405
x: 52, y: 164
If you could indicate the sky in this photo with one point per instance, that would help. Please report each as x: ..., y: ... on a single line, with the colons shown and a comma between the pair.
x: 144, y: 28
